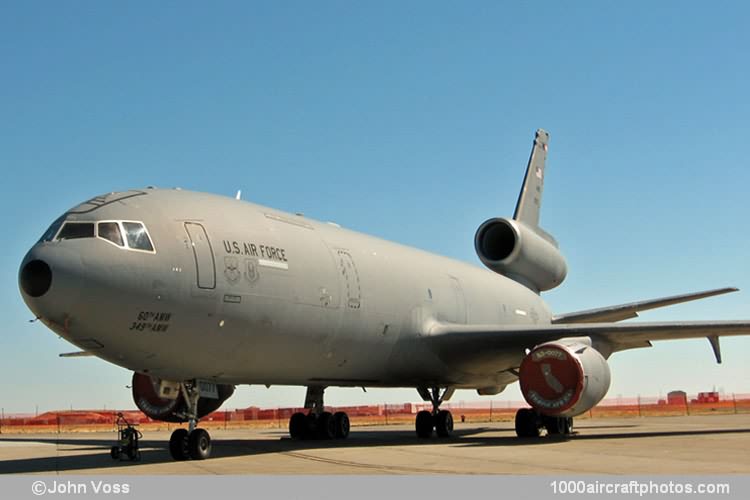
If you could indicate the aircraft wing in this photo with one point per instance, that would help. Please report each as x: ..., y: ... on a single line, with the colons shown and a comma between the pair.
x: 462, y: 342
x: 630, y: 310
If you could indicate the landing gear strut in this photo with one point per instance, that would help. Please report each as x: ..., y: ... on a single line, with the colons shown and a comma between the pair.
x: 529, y: 424
x: 191, y: 443
x: 441, y: 421
x: 318, y: 423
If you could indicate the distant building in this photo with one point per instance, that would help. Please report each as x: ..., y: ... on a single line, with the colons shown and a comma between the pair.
x: 707, y: 397
x: 677, y: 398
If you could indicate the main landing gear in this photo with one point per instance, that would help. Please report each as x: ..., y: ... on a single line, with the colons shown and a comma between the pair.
x: 440, y: 421
x: 318, y: 423
x: 191, y: 443
x: 529, y: 424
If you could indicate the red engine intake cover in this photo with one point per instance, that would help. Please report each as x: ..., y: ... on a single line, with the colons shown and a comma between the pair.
x: 146, y: 397
x: 551, y: 379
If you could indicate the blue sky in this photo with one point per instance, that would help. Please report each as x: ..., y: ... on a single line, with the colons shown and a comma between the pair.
x: 409, y: 120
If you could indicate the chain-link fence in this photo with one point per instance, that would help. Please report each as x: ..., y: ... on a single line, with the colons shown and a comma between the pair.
x: 674, y: 404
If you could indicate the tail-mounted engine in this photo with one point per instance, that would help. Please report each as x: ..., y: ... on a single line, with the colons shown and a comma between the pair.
x: 529, y: 256
x: 148, y: 398
x: 564, y: 380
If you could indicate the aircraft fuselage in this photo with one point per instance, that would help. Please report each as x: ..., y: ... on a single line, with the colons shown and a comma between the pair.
x: 260, y: 296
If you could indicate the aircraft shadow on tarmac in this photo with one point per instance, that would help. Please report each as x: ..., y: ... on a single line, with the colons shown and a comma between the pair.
x: 156, y: 452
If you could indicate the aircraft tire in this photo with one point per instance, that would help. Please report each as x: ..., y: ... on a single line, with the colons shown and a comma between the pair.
x: 567, y: 426
x: 298, y: 426
x: 114, y: 452
x: 444, y: 424
x: 311, y: 426
x: 425, y: 424
x: 526, y: 423
x: 178, y: 444
x: 554, y: 425
x: 326, y: 426
x: 558, y: 426
x: 341, y: 421
x: 199, y: 444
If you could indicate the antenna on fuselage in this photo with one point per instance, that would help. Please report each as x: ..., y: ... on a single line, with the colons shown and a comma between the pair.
x: 238, y: 195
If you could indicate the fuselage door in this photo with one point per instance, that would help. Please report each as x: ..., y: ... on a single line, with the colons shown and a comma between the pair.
x: 460, y: 299
x: 205, y: 268
x: 350, y: 279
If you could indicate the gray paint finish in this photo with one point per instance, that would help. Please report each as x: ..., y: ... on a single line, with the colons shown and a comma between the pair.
x: 245, y: 294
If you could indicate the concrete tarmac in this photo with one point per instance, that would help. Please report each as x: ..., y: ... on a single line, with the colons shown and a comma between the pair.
x: 714, y: 444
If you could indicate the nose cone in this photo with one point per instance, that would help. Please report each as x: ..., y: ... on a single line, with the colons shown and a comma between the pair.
x: 51, y: 280
x: 35, y: 278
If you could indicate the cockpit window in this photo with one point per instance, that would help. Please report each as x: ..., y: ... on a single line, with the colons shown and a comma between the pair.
x: 137, y: 236
x: 50, y: 233
x: 110, y: 231
x: 130, y: 235
x: 74, y: 230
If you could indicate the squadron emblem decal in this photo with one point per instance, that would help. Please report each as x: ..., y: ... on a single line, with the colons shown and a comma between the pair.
x: 232, y: 269
x: 251, y: 270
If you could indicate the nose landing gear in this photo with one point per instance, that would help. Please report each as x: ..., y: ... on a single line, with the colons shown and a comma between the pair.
x: 318, y: 423
x: 191, y: 443
x: 441, y: 421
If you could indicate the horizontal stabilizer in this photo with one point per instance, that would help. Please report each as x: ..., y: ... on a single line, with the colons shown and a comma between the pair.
x: 631, y: 310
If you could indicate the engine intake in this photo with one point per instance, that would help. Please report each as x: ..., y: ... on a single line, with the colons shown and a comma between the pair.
x: 512, y: 249
x: 564, y: 380
x: 146, y: 397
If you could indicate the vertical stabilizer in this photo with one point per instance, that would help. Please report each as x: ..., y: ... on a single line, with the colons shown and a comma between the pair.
x: 530, y: 199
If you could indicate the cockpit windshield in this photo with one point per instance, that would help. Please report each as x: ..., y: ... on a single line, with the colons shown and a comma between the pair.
x: 129, y: 235
x: 75, y: 230
x: 110, y: 231
x: 137, y: 236
x: 50, y: 233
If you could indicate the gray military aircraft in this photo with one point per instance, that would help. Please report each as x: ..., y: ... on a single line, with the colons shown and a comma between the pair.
x: 196, y: 293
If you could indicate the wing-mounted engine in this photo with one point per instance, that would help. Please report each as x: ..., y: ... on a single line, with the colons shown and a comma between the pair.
x: 527, y: 255
x: 148, y: 398
x: 564, y: 379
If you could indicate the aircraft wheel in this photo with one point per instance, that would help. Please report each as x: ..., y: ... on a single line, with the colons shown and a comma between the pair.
x: 326, y: 426
x: 562, y: 426
x: 526, y: 423
x: 444, y: 423
x: 114, y: 452
x: 567, y: 426
x: 424, y: 424
x: 341, y: 421
x: 311, y: 426
x: 298, y: 426
x: 554, y: 425
x: 199, y: 444
x: 178, y: 444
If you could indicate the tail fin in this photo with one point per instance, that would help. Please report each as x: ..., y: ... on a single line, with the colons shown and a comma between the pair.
x: 530, y: 198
